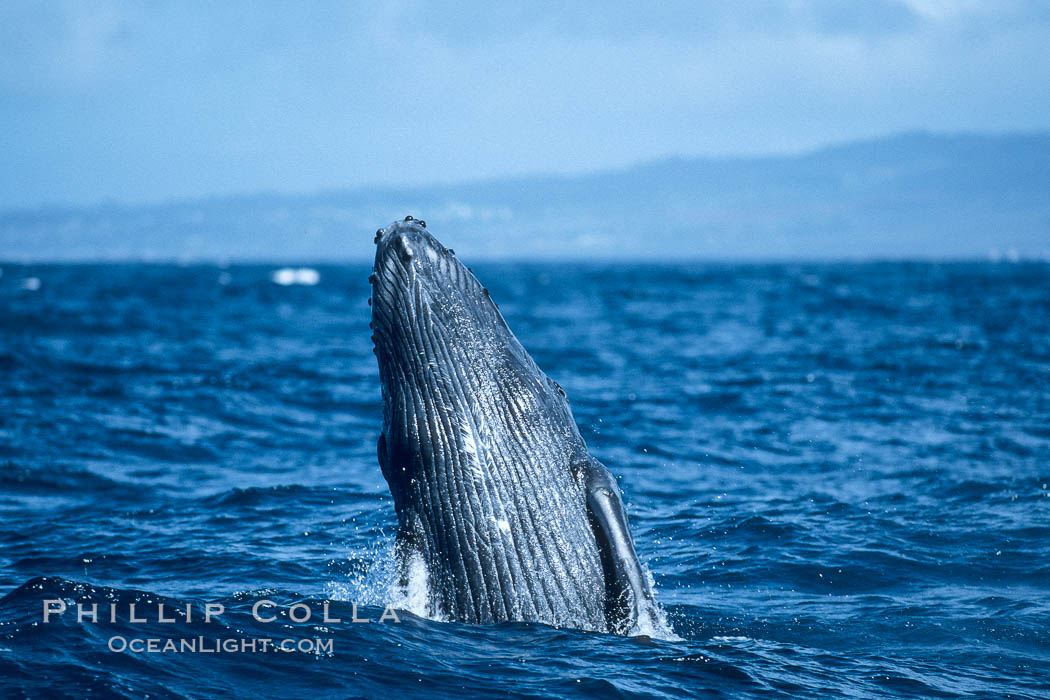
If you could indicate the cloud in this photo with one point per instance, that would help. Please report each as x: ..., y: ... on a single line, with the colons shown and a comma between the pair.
x: 120, y: 100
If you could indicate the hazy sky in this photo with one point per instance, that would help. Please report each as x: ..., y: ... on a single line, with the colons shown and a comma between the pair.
x: 140, y: 102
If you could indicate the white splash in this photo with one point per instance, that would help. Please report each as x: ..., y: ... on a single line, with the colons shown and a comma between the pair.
x: 30, y: 284
x: 415, y: 597
x: 377, y: 583
x: 652, y: 621
x: 368, y: 582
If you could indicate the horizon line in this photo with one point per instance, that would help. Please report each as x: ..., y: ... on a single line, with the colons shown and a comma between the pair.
x: 1009, y: 257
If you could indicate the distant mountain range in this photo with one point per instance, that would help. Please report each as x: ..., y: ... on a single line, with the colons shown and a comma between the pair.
x: 915, y: 195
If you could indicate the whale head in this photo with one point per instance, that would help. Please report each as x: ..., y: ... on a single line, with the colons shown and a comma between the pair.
x: 444, y: 349
x: 426, y: 303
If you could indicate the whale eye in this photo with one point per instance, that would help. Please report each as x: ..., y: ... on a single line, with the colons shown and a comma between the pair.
x: 408, y: 218
x: 422, y: 223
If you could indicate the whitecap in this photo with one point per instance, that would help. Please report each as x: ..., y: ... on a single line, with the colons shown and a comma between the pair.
x: 284, y: 277
x: 287, y: 276
x: 307, y: 276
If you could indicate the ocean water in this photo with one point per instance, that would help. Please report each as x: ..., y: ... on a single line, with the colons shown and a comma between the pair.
x: 838, y: 476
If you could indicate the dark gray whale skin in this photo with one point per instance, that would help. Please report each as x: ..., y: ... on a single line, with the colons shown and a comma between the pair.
x: 493, y: 485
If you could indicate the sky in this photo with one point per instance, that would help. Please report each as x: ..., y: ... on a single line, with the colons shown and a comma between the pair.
x: 135, y: 102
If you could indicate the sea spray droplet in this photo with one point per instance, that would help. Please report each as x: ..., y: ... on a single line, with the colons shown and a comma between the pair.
x: 373, y: 580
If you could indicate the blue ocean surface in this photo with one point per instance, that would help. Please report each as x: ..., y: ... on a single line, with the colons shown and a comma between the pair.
x: 837, y: 474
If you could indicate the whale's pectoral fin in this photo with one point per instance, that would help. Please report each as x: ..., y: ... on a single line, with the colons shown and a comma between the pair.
x: 629, y: 604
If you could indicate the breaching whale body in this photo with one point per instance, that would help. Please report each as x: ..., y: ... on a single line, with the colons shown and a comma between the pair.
x: 495, y: 491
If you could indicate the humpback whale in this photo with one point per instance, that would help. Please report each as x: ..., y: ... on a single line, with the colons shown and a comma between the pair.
x: 494, y: 488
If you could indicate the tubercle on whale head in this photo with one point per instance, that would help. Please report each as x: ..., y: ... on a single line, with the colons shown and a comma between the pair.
x: 381, y: 232
x: 407, y: 238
